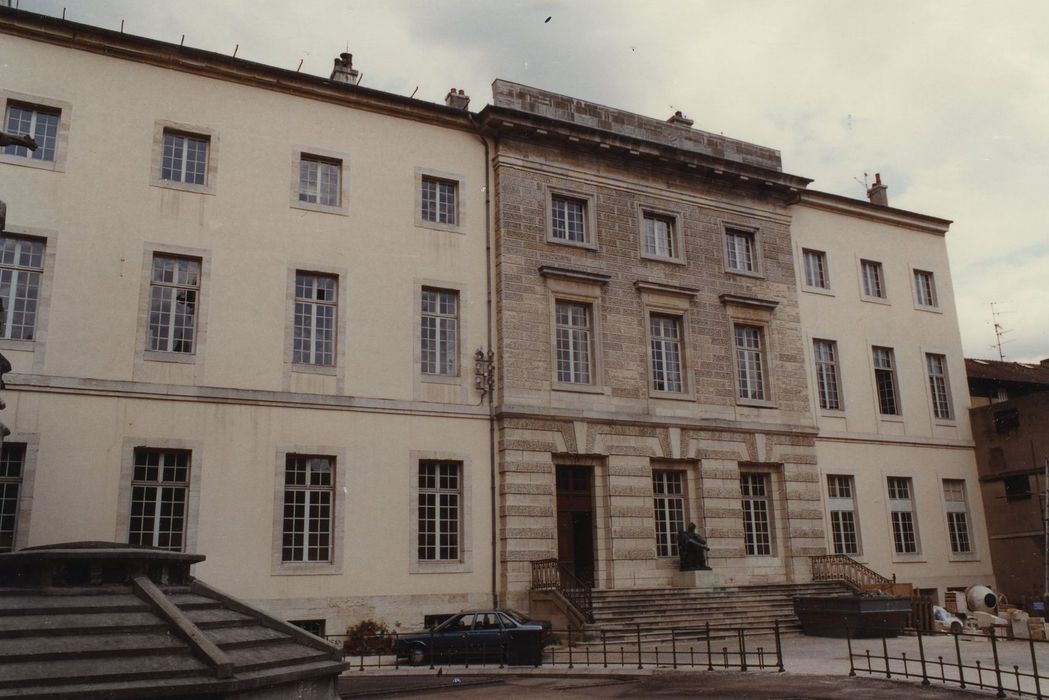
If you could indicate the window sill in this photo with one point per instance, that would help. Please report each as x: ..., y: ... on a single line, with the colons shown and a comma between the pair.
x: 305, y: 569
x: 908, y: 558
x: 571, y: 244
x: 972, y: 556
x: 183, y: 186
x: 319, y: 208
x: 825, y: 291
x: 440, y: 567
x: 890, y: 418
x: 314, y: 369
x: 16, y: 344
x: 578, y: 388
x: 27, y: 162
x: 875, y: 300
x: 755, y: 403
x: 671, y: 395
x: 930, y: 309
x: 833, y: 412
x: 183, y: 358
x: 663, y: 259
x: 745, y: 273
x: 440, y: 379
x: 946, y: 422
x: 435, y: 226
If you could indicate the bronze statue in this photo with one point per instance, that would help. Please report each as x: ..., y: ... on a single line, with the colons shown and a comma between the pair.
x: 692, y: 549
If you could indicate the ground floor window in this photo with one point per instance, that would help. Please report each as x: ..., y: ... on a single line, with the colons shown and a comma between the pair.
x: 668, y: 489
x: 901, y: 506
x: 757, y: 516
x: 159, y: 498
x: 439, y: 510
x: 12, y: 470
x: 309, y: 485
x: 841, y: 500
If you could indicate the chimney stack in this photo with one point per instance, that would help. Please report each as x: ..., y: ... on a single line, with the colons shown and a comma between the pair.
x: 1043, y: 363
x: 680, y: 119
x: 457, y: 99
x: 344, y: 72
x: 878, y: 193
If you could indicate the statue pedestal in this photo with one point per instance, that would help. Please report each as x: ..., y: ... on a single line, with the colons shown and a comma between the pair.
x: 693, y: 579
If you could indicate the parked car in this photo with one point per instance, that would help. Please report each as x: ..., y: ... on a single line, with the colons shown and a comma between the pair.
x: 493, y: 635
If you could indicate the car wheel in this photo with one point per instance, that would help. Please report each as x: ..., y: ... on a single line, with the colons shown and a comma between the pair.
x: 956, y: 627
x: 416, y: 656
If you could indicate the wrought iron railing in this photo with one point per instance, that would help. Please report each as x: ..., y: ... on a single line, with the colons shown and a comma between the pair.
x: 551, y: 575
x: 841, y: 567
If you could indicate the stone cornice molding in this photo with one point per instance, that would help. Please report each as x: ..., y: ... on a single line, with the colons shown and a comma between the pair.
x: 574, y: 275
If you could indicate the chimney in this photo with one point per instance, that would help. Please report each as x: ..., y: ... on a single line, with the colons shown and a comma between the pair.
x: 680, y: 119
x: 344, y: 72
x: 457, y: 99
x: 878, y: 193
x: 1043, y: 363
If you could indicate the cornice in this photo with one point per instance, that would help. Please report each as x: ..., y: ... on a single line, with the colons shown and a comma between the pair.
x: 873, y: 212
x: 645, y: 286
x: 753, y: 302
x: 575, y: 275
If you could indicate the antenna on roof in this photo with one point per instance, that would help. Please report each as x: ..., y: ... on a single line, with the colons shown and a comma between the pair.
x: 999, y: 331
x: 864, y: 183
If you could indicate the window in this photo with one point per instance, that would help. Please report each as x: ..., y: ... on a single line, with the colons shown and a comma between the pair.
x: 185, y: 158
x: 574, y: 355
x: 173, y: 295
x: 438, y: 201
x: 841, y: 501
x: 319, y: 181
x: 873, y: 280
x: 668, y: 494
x: 815, y: 263
x: 957, y: 516
x: 749, y: 362
x: 568, y: 219
x: 314, y: 627
x: 1017, y: 488
x: 666, y: 353
x: 439, y: 335
x: 159, y: 498
x: 925, y: 289
x: 309, y: 483
x: 39, y: 122
x: 901, y: 506
x: 885, y: 381
x: 12, y: 472
x: 439, y: 510
x: 739, y: 251
x: 315, y: 313
x: 828, y: 385
x: 659, y: 236
x: 21, y: 268
x: 757, y: 525
x: 939, y: 390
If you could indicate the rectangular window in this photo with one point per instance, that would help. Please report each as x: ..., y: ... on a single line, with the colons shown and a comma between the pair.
x: 925, y: 288
x: 309, y: 484
x: 439, y: 335
x: 314, y: 627
x: 901, y: 506
x: 739, y: 250
x: 173, y: 304
x: 159, y: 498
x: 573, y: 342
x: 21, y: 268
x: 666, y: 353
x: 668, y: 494
x: 939, y: 390
x: 319, y: 181
x: 885, y: 381
x: 1017, y: 488
x: 757, y: 521
x: 568, y: 219
x: 438, y: 201
x: 12, y: 471
x: 440, y: 490
x: 873, y: 280
x: 841, y: 500
x: 185, y: 158
x: 957, y: 516
x: 31, y: 120
x: 315, y: 319
x: 750, y: 362
x: 815, y: 263
x: 828, y: 385
x: 659, y: 236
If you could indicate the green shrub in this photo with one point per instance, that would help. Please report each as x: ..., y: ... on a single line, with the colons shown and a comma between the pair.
x: 368, y: 637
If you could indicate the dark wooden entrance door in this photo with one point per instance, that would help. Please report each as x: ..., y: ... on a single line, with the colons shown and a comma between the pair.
x: 575, y: 521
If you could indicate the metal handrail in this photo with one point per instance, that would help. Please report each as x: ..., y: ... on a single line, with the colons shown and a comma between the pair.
x: 552, y: 575
x: 842, y: 567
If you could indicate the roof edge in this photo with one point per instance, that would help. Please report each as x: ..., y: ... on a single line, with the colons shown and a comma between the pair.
x: 841, y: 204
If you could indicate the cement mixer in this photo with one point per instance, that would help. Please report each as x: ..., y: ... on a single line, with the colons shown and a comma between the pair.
x: 981, y: 599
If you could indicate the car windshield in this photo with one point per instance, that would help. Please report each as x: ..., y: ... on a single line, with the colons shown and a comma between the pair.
x: 516, y: 616
x: 455, y: 622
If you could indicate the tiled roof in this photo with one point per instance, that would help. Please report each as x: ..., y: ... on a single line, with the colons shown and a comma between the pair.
x: 1020, y: 372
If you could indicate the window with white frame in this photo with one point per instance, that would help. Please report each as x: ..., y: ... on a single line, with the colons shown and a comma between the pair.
x: 439, y: 510
x: 659, y: 236
x: 873, y: 279
x: 750, y: 360
x: 957, y: 516
x: 316, y: 300
x: 739, y: 250
x: 815, y: 265
x: 757, y: 514
x: 438, y: 201
x: 568, y: 219
x: 319, y: 181
x: 21, y: 269
x: 185, y: 158
x: 668, y: 495
x: 885, y: 381
x: 925, y: 289
x: 439, y: 334
x: 309, y: 485
x: 901, y: 509
x: 574, y: 334
x: 41, y: 123
x: 666, y: 334
x: 828, y: 383
x: 159, y: 498
x: 939, y: 388
x: 173, y: 294
x: 12, y: 472
x: 841, y: 502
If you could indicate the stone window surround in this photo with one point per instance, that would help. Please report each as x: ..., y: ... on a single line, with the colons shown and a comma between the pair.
x: 341, y: 276
x: 200, y: 335
x: 973, y: 554
x: 677, y: 217
x: 465, y: 562
x: 162, y: 126
x: 298, y: 153
x: 669, y: 301
x: 588, y: 196
x: 43, y: 304
x: 773, y: 486
x: 24, y: 518
x: 918, y: 556
x: 884, y: 281
x: 802, y: 284
x: 842, y: 400
x: 62, y: 140
x: 127, y: 468
x: 693, y: 497
x: 728, y: 226
x: 924, y: 352
x: 460, y: 201
x: 887, y: 417
x: 937, y: 307
x: 465, y: 359
x: 759, y: 315
x: 583, y: 292
x: 861, y: 556
x: 278, y: 567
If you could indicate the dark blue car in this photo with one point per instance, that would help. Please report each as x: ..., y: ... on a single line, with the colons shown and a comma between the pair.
x: 489, y: 635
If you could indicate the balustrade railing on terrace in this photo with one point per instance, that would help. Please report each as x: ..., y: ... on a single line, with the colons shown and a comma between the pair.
x: 841, y: 567
x: 551, y: 575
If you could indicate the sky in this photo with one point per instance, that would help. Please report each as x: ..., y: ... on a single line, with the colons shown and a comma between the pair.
x: 949, y: 101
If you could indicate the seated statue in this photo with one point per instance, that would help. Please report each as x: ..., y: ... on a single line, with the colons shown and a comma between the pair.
x: 692, y: 549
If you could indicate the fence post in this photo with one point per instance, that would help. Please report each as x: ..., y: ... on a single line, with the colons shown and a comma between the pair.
x: 921, y: 654
x: 710, y: 662
x: 742, y: 650
x: 570, y: 664
x: 604, y: 649
x: 396, y: 658
x: 958, y: 653
x: 997, y: 666
x: 1034, y: 671
x: 779, y: 646
x: 673, y: 646
x: 885, y: 652
x: 430, y: 650
x: 848, y: 642
x: 639, y: 645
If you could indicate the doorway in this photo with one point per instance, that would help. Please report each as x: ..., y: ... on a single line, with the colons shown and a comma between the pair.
x: 575, y: 521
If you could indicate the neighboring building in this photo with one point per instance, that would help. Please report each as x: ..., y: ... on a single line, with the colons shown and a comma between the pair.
x: 993, y: 381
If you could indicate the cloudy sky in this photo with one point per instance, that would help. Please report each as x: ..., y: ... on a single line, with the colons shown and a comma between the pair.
x: 949, y: 101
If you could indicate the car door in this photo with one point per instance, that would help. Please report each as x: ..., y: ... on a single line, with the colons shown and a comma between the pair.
x: 486, y: 639
x: 450, y: 641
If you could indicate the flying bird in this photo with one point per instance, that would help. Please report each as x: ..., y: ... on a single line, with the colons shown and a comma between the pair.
x: 548, y: 19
